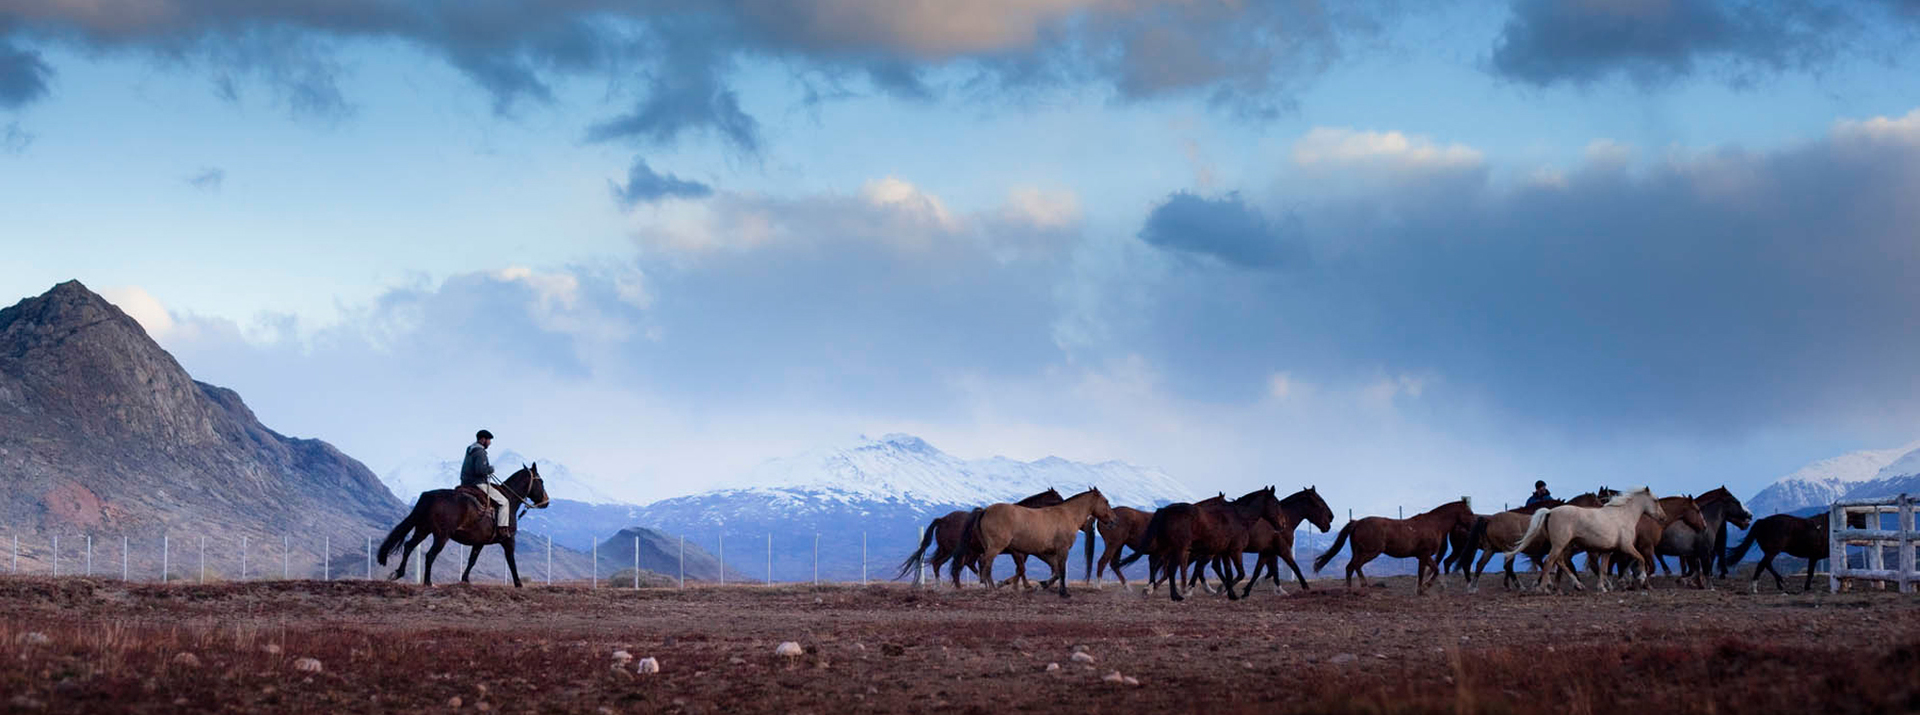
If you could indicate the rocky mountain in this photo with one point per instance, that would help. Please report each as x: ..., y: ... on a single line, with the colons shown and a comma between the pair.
x: 105, y: 437
x: 1857, y: 474
x: 873, y: 497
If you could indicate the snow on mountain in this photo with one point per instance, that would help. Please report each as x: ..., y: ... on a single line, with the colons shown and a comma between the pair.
x: 1821, y: 482
x: 871, y: 499
x: 409, y: 480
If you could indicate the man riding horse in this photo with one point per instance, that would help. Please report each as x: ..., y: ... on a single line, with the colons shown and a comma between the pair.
x: 476, y: 472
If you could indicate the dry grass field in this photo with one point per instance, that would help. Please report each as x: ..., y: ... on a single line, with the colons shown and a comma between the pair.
x: 78, y: 645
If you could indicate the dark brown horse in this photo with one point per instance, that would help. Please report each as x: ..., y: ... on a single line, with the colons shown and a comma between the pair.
x: 1418, y: 537
x: 945, y: 532
x: 1784, y: 533
x: 1129, y: 529
x: 458, y: 514
x: 1272, y: 545
x: 1699, y: 549
x: 1208, y: 531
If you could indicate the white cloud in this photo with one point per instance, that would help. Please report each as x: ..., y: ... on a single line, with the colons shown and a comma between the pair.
x: 1905, y: 130
x: 1280, y: 385
x: 1340, y: 147
x: 145, y: 309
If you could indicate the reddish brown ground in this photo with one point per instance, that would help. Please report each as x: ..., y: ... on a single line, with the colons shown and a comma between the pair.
x: 385, y: 647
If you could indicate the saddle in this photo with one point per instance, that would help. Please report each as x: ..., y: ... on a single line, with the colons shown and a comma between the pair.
x: 479, y: 496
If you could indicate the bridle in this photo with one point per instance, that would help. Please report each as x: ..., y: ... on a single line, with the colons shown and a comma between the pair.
x: 523, y: 501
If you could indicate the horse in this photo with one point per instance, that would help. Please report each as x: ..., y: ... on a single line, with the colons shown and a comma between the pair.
x: 1047, y: 532
x: 1212, y: 530
x: 946, y: 530
x: 1680, y: 511
x: 1272, y: 544
x: 1418, y: 536
x: 1605, y: 529
x: 967, y: 549
x: 1154, y: 578
x: 1698, y: 548
x: 459, y: 514
x: 1128, y: 529
x: 1496, y: 533
x: 1796, y: 536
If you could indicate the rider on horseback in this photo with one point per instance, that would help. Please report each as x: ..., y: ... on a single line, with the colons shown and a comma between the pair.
x: 477, y: 472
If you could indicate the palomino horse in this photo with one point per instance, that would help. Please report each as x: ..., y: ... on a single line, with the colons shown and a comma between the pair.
x: 1128, y: 529
x: 1272, y: 545
x: 1796, y: 536
x: 458, y: 515
x: 1606, y: 529
x: 1697, y: 548
x: 1680, y: 511
x: 945, y: 531
x: 1210, y: 531
x: 1046, y: 532
x: 1419, y: 537
x: 1496, y: 533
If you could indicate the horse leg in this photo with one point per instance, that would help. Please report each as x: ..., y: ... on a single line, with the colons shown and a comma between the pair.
x: 1421, y: 570
x: 420, y: 534
x: 1231, y: 570
x: 1288, y: 557
x: 1176, y: 572
x: 426, y: 566
x: 1779, y: 581
x: 513, y: 567
x: 1259, y: 562
x: 1809, y: 585
x: 1059, y: 564
x: 984, y: 562
x: 473, y: 557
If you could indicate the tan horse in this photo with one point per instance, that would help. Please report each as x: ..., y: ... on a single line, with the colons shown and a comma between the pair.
x: 1608, y: 529
x: 1047, y: 532
x: 1679, y: 510
x: 1496, y: 533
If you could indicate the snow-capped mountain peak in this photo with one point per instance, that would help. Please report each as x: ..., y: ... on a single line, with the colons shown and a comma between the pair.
x: 409, y: 480
x: 1823, y: 481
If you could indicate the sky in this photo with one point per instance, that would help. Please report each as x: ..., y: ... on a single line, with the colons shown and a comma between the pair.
x: 1400, y: 252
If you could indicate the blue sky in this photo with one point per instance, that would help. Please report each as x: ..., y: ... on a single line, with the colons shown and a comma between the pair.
x: 1405, y: 252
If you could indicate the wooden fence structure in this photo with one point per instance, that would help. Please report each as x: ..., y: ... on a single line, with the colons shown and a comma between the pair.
x: 1875, y: 540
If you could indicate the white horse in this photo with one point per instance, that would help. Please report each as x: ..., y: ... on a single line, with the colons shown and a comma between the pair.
x: 1603, y: 530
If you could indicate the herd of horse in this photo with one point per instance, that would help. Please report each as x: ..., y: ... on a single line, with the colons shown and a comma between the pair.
x: 1622, y: 534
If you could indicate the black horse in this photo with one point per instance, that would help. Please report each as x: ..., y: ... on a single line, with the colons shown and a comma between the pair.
x: 461, y: 515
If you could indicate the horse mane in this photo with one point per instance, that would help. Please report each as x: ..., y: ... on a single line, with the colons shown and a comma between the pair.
x: 1625, y: 498
x: 1714, y: 495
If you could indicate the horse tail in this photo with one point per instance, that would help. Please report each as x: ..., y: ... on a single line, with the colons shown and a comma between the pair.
x: 1339, y: 542
x: 417, y: 518
x: 1535, y: 524
x: 1149, y: 538
x: 1464, y: 559
x: 913, y: 561
x: 1740, y: 552
x: 1719, y: 553
x: 1088, y: 529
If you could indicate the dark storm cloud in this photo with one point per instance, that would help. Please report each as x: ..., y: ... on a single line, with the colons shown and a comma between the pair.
x: 644, y: 185
x: 1715, y: 294
x: 1655, y: 41
x: 1225, y: 228
x: 675, y: 56
x: 23, y: 76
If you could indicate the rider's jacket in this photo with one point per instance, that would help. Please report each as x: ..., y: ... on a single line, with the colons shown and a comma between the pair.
x: 475, y: 470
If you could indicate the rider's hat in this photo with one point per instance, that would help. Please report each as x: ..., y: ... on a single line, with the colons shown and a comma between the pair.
x: 482, y: 434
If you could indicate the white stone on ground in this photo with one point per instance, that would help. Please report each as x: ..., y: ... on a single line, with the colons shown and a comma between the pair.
x: 789, y: 649
x: 648, y: 665
x: 307, y: 665
x: 1083, y: 657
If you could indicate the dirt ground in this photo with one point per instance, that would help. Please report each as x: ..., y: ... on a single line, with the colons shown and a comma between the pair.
x: 74, y: 645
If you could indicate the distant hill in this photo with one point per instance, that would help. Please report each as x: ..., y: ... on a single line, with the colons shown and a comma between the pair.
x: 1820, y: 483
x: 104, y: 434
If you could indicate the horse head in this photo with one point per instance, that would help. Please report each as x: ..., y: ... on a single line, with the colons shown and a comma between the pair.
x: 1265, y: 506
x: 1643, y: 498
x: 1691, y: 516
x: 1317, y: 512
x: 1100, y: 509
x: 535, y: 488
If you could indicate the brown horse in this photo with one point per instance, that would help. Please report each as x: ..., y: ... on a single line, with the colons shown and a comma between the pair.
x: 1273, y: 545
x: 945, y: 531
x: 1698, y: 549
x: 1128, y: 529
x: 458, y: 514
x: 1418, y: 537
x: 1211, y: 531
x: 1047, y: 532
x: 1795, y: 536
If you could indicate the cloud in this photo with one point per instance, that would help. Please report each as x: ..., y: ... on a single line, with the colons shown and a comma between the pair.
x: 1712, y: 293
x: 1652, y: 42
x: 23, y: 75
x: 208, y: 179
x: 145, y: 309
x: 644, y: 186
x: 1225, y: 228
x: 1336, y: 147
x: 675, y: 58
x: 14, y: 140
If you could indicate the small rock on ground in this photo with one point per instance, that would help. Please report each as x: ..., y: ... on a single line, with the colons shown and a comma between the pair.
x: 789, y: 649
x: 307, y: 665
x: 648, y: 665
x: 1083, y: 657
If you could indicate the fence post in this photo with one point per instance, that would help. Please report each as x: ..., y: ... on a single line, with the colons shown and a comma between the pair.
x: 89, y: 555
x: 863, y: 558
x: 1836, y: 549
x: 769, y: 558
x: 549, y: 559
x: 203, y: 559
x: 636, y: 562
x: 286, y: 556
x: 1403, y: 511
x: 723, y: 555
x: 123, y: 557
x: 326, y: 558
x: 683, y: 561
x: 243, y: 558
x: 16, y: 555
x: 56, y: 555
x: 1906, y: 557
x: 816, y: 558
x: 166, y: 554
x: 369, y: 558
